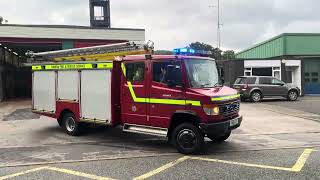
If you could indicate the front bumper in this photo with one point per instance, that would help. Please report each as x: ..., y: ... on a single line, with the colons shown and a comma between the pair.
x: 220, y: 127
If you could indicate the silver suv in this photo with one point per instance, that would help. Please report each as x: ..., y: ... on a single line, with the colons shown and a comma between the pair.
x: 256, y: 88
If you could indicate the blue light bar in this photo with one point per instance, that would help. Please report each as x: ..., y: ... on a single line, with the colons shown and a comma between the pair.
x: 190, y: 52
x: 184, y: 51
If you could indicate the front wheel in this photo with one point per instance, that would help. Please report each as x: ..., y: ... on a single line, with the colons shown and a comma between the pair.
x: 220, y: 138
x: 70, y: 125
x: 187, y: 138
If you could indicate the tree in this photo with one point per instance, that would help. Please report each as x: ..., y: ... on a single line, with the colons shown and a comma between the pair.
x: 229, y: 54
x: 215, y: 52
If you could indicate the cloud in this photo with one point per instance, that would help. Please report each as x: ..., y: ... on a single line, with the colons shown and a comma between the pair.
x: 176, y: 23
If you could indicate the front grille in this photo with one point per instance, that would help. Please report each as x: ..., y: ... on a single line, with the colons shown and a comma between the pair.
x: 229, y: 108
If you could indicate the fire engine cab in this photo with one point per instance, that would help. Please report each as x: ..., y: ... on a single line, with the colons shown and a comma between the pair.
x: 179, y: 96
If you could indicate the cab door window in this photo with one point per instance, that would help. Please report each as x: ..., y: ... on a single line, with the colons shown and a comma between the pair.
x: 161, y: 73
x: 135, y: 72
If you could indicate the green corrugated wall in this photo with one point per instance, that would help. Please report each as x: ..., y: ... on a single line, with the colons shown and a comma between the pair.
x: 303, y: 45
x: 284, y: 45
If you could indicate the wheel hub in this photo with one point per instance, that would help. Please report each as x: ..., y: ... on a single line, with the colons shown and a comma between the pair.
x: 292, y: 95
x: 186, y: 138
x: 256, y: 96
x: 70, y: 124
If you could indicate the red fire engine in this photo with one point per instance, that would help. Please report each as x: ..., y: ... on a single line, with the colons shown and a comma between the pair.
x: 177, y: 96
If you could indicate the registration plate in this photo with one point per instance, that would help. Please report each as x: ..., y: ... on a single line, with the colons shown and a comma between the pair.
x: 234, y: 122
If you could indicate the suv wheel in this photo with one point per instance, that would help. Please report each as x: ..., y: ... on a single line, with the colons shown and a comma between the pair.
x: 187, y: 138
x: 256, y: 96
x: 292, y: 95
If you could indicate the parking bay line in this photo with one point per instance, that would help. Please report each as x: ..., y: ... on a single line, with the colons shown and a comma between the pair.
x: 162, y: 168
x: 78, y: 173
x: 297, y: 167
x: 22, y: 173
x: 61, y: 170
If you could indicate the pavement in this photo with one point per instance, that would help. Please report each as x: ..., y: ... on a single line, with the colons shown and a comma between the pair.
x: 272, y: 143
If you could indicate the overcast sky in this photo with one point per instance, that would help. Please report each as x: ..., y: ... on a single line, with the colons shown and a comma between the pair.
x: 176, y: 23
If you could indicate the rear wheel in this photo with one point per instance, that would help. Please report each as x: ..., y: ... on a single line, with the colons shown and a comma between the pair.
x: 292, y: 95
x: 256, y: 96
x: 187, y: 138
x: 220, y: 138
x: 70, y: 125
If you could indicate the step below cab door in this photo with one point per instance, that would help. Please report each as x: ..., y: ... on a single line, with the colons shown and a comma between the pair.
x: 133, y: 93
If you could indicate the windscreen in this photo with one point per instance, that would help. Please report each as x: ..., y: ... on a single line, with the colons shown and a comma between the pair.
x: 202, y: 73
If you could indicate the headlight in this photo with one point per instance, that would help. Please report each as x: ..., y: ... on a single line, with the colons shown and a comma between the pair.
x: 211, y: 110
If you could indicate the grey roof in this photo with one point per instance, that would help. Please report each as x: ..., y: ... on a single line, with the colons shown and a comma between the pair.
x: 70, y: 32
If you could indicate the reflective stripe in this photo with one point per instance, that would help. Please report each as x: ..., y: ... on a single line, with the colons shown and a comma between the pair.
x: 156, y: 101
x: 105, y: 66
x: 73, y: 66
x: 224, y: 98
x: 123, y: 67
x: 36, y: 68
x: 68, y: 66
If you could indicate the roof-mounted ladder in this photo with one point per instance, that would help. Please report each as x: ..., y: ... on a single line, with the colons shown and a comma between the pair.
x: 95, y: 53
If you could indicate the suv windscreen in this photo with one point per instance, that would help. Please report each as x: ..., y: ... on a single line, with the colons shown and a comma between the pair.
x: 246, y: 80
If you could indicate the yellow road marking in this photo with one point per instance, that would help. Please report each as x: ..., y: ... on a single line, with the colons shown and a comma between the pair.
x: 66, y: 171
x: 162, y: 168
x: 77, y: 173
x: 241, y: 164
x: 296, y: 168
x: 302, y: 160
x: 22, y: 173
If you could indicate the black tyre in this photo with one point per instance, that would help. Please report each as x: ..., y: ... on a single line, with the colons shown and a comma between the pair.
x: 70, y: 125
x: 60, y: 122
x: 292, y: 95
x: 256, y: 96
x: 220, y: 138
x: 187, y: 138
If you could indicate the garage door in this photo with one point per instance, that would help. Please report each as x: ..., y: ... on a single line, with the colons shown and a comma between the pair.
x: 312, y: 76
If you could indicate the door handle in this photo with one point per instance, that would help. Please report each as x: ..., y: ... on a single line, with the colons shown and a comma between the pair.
x: 166, y: 95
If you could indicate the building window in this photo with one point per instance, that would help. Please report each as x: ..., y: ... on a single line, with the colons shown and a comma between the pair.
x: 276, y: 74
x: 248, y: 71
x: 262, y: 71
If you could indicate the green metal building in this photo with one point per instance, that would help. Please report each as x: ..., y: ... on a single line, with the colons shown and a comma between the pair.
x: 291, y: 57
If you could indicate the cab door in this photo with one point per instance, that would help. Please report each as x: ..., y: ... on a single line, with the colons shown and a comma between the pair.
x: 133, y: 93
x: 165, y: 99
